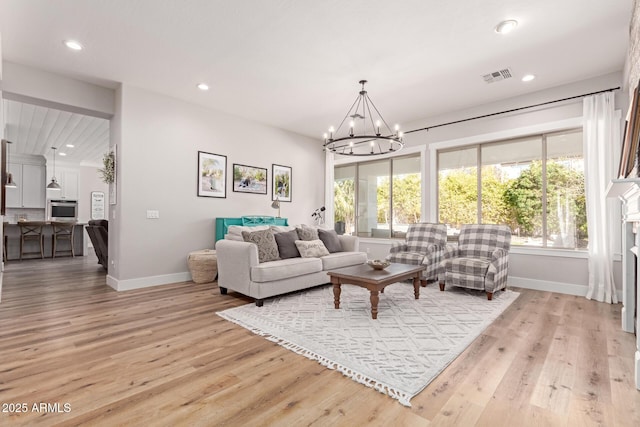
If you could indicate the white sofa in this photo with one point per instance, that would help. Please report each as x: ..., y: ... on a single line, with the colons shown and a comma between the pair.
x: 240, y: 271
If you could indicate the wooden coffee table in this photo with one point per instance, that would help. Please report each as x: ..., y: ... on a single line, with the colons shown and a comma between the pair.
x: 374, y: 280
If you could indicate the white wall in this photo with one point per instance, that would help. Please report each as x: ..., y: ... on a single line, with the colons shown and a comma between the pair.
x: 89, y: 181
x: 568, y: 273
x: 157, y: 169
x: 32, y: 85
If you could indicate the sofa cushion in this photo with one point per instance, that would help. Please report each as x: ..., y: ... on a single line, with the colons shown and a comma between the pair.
x: 287, y: 244
x: 307, y: 233
x: 330, y: 240
x: 343, y: 259
x: 267, y: 246
x: 311, y: 248
x: 284, y: 269
x: 282, y: 228
x: 234, y: 232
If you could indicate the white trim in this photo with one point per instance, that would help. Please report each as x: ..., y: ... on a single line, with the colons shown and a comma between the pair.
x: 488, y: 137
x: 329, y: 190
x: 548, y: 286
x: 536, y: 251
x: 557, y: 287
x: 509, y: 133
x: 146, y: 282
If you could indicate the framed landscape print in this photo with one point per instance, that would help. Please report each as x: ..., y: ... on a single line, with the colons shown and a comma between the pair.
x: 281, y: 188
x: 212, y: 175
x: 249, y: 179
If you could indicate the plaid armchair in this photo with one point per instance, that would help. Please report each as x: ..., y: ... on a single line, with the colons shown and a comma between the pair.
x: 480, y: 261
x: 424, y: 244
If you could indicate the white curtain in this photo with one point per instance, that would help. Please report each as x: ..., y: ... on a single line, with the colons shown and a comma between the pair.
x: 600, y: 139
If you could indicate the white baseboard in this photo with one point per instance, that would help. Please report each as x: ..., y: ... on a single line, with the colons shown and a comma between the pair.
x: 559, y: 287
x: 145, y: 282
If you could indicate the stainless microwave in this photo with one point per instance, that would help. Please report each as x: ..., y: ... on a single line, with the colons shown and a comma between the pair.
x: 63, y: 210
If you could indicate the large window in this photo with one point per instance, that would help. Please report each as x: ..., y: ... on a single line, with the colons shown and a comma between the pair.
x: 378, y: 198
x: 535, y: 185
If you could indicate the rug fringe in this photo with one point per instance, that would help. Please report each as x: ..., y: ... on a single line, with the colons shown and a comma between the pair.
x: 400, y: 396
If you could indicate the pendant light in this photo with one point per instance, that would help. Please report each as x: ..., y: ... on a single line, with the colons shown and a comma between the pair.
x: 9, y: 183
x: 53, y: 185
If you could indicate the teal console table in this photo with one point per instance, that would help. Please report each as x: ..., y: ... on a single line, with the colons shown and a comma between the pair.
x: 222, y: 224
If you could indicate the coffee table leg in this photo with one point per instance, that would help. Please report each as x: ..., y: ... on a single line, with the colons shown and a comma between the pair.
x: 416, y: 286
x: 374, y: 304
x: 336, y: 292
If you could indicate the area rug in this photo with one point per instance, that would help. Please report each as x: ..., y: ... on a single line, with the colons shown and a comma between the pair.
x: 400, y: 353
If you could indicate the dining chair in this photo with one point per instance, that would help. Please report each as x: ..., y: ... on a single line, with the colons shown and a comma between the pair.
x: 62, y: 231
x: 31, y: 231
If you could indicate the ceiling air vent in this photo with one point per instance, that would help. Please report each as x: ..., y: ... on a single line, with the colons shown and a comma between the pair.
x: 496, y: 76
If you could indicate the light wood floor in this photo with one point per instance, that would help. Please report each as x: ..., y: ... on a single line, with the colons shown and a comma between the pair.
x: 161, y: 356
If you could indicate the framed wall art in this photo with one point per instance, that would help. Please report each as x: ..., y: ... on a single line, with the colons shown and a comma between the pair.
x: 249, y: 179
x: 281, y: 185
x: 212, y: 175
x: 629, y: 157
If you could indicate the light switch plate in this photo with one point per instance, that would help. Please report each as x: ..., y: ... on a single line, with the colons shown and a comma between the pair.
x: 153, y: 214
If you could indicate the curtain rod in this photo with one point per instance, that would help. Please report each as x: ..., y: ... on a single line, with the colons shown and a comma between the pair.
x: 512, y: 110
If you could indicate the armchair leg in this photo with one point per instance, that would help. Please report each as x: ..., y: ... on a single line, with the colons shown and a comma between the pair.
x: 489, y: 296
x: 259, y: 303
x: 223, y: 291
x: 424, y: 282
x: 442, y: 286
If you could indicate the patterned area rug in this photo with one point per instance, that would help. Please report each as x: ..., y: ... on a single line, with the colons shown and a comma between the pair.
x: 400, y: 353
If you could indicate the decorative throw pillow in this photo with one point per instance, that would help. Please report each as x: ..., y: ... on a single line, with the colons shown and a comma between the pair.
x: 330, y: 240
x: 267, y: 247
x: 307, y: 233
x: 282, y: 228
x: 287, y: 244
x: 311, y: 248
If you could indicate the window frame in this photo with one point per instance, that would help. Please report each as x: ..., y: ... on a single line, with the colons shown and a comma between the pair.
x: 418, y: 152
x: 483, y: 141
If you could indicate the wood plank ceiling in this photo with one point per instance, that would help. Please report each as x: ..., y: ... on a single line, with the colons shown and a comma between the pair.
x: 34, y: 129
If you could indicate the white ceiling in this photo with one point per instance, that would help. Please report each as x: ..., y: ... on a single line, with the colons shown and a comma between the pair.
x: 295, y: 64
x: 35, y: 129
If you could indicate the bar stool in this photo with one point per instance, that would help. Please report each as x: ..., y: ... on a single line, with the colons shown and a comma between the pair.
x: 31, y: 231
x: 63, y: 230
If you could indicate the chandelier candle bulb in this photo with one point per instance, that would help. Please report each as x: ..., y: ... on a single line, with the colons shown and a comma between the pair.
x: 378, y: 127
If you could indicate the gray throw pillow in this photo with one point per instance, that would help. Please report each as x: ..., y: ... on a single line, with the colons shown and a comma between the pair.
x: 267, y: 247
x: 330, y: 240
x: 307, y: 233
x: 287, y: 244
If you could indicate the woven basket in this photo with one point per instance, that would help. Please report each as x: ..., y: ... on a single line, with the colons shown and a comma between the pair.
x: 203, y: 265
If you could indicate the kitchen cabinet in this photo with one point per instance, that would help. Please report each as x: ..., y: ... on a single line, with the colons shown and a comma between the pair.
x: 68, y: 179
x: 30, y: 180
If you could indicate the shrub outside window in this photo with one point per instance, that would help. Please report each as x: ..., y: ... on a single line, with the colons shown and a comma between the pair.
x: 380, y: 198
x: 534, y: 184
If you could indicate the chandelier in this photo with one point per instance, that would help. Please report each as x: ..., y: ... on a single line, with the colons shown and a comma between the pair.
x: 368, y: 133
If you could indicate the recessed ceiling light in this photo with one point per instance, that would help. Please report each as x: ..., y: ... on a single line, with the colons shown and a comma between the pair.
x: 73, y: 45
x: 528, y: 78
x: 70, y: 145
x: 506, y: 26
x: 62, y: 154
x: 203, y: 86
